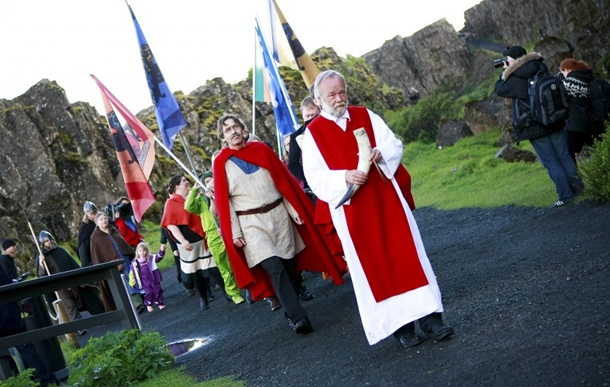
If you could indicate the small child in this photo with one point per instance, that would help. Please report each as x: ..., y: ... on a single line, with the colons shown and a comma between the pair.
x: 145, y: 275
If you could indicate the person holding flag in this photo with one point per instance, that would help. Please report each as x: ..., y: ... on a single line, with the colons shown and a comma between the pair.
x: 187, y: 231
x: 197, y: 203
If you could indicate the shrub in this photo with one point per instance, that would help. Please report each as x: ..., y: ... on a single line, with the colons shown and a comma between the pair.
x: 596, y: 170
x: 119, y: 359
x: 422, y: 121
x: 24, y: 379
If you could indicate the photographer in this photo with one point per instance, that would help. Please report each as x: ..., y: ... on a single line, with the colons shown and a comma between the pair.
x: 125, y: 222
x: 549, y: 142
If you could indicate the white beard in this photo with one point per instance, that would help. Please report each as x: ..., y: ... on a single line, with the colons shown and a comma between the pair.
x: 336, y: 112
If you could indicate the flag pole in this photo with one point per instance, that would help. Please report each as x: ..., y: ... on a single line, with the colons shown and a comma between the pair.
x: 254, y: 85
x: 180, y: 163
x: 186, y: 150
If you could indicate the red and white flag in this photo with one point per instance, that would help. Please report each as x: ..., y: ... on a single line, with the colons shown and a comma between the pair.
x: 135, y: 151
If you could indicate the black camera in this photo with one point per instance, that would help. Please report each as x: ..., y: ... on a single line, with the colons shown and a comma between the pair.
x: 499, y: 62
x: 124, y: 209
x: 23, y: 276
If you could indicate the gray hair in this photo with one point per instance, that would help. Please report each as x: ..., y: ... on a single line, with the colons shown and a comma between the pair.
x: 225, y: 117
x: 323, y: 76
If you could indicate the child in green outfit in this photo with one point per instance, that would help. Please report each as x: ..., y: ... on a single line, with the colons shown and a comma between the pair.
x: 197, y: 204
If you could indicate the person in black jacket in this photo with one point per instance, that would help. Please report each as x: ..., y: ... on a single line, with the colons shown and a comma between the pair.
x: 580, y: 127
x: 12, y: 324
x: 54, y: 260
x: 7, y: 259
x: 549, y: 142
x: 309, y: 110
x: 84, y: 234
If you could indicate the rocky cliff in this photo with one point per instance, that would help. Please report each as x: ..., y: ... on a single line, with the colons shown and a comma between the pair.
x: 439, y: 57
x: 420, y: 64
x: 581, y: 25
x: 57, y: 154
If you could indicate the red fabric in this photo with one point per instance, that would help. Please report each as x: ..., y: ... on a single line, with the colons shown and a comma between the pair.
x: 403, y: 179
x: 377, y: 223
x: 324, y: 222
x: 131, y: 161
x: 315, y: 256
x: 174, y: 213
x: 299, y: 182
x: 131, y: 237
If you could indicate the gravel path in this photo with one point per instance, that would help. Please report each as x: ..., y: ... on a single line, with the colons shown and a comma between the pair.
x: 527, y: 291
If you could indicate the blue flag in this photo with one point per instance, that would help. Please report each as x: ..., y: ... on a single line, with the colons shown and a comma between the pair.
x: 167, y: 110
x: 285, y: 116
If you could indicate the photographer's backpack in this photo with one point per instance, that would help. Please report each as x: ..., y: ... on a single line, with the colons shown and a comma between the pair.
x: 548, y: 100
x: 600, y: 98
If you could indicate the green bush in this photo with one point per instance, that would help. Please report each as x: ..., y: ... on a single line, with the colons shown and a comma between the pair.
x: 119, y: 359
x: 422, y: 121
x: 24, y: 379
x: 596, y: 170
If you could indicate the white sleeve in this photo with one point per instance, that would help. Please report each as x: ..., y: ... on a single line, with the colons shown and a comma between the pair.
x: 386, y: 142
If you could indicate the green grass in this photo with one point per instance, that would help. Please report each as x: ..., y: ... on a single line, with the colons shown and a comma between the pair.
x: 177, y: 377
x: 468, y: 175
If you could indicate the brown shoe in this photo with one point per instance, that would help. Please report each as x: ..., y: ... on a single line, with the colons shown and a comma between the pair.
x: 275, y: 303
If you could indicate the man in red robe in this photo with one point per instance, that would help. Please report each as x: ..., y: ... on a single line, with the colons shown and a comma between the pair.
x: 266, y: 222
x: 392, y: 276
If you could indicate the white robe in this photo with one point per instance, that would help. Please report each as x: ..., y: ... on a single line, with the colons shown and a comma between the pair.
x: 379, y: 319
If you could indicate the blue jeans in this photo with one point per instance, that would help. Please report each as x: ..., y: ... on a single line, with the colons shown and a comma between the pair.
x: 552, y: 150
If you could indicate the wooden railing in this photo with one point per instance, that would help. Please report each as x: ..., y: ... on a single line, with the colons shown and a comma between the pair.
x: 125, y: 312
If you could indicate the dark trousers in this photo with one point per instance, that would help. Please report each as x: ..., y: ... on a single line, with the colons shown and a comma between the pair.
x: 425, y: 324
x: 283, y: 279
x: 201, y: 284
x: 188, y: 284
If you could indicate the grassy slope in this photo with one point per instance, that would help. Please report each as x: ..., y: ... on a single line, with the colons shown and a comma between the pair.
x: 468, y: 175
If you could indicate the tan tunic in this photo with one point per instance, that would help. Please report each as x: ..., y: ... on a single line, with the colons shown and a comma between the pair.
x: 270, y: 234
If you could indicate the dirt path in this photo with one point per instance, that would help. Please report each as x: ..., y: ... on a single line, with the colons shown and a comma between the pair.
x: 527, y: 291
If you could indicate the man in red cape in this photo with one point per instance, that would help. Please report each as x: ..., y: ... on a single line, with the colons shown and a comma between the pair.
x: 240, y: 227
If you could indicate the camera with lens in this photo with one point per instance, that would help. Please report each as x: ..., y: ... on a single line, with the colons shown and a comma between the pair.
x: 499, y: 62
x: 125, y: 210
x: 110, y: 210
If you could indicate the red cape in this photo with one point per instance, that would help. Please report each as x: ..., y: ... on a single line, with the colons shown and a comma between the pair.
x: 174, y: 213
x: 315, y: 256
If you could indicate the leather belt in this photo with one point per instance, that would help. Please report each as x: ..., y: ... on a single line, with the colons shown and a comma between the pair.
x: 261, y: 210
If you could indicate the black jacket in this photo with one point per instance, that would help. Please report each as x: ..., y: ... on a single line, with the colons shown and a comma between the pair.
x: 295, y: 162
x: 8, y: 265
x: 10, y: 314
x: 513, y: 84
x: 58, y: 260
x: 84, y: 243
x: 579, y: 101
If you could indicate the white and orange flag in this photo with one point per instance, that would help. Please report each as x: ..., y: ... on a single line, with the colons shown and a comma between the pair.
x: 135, y: 151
